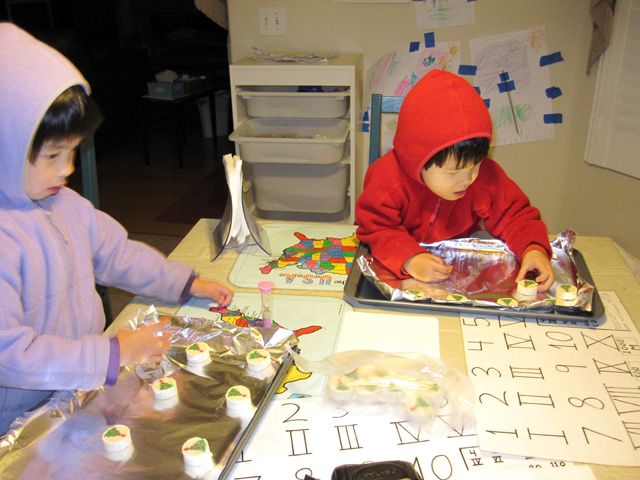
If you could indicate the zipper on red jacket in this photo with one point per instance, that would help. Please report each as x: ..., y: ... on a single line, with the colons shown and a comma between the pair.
x: 432, y: 220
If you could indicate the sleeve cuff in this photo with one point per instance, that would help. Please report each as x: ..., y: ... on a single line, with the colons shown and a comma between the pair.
x: 535, y: 246
x: 185, y: 295
x: 114, y: 361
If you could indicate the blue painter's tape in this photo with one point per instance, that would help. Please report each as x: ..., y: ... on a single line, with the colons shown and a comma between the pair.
x: 477, y: 89
x: 467, y: 70
x: 414, y: 46
x: 365, y: 127
x: 551, y: 58
x: 552, y: 118
x: 504, y: 76
x: 506, y: 86
x: 365, y: 116
x: 553, y: 92
x: 429, y: 40
x: 487, y: 102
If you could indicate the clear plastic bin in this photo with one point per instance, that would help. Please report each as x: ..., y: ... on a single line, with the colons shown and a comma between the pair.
x: 287, y: 102
x: 300, y: 188
x: 302, y: 141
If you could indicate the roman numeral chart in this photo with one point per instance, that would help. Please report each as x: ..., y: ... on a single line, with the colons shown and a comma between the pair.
x: 300, y: 436
x: 558, y: 390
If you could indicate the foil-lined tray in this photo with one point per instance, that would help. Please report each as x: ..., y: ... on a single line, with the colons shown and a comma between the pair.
x: 62, y: 439
x: 484, y: 271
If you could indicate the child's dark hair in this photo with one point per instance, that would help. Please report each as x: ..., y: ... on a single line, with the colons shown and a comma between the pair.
x: 73, y: 114
x: 472, y: 151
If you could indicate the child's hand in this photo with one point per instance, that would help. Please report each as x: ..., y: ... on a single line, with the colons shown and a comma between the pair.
x: 535, y: 260
x: 144, y: 345
x: 427, y: 268
x: 213, y: 290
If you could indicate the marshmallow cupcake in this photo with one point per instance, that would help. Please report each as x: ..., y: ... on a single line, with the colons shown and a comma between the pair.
x: 164, y: 388
x: 198, y: 353
x: 527, y: 287
x: 566, y: 291
x: 165, y: 393
x: 507, y: 302
x: 258, y: 359
x: 117, y: 444
x: 197, y: 456
x: 455, y: 297
x: 238, y: 399
x: 422, y: 405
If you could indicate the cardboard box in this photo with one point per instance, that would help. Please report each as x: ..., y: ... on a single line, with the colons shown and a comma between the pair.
x: 166, y: 89
x: 178, y: 88
x: 198, y: 84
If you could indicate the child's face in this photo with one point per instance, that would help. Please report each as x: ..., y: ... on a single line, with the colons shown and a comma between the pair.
x: 449, y: 181
x: 48, y: 174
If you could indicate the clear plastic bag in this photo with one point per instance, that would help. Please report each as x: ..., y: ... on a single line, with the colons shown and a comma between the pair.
x: 414, y: 385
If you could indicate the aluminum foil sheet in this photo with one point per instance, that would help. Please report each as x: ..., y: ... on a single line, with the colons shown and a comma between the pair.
x: 484, y: 271
x: 62, y: 439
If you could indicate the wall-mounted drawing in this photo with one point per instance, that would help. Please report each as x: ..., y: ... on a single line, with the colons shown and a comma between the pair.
x: 513, y: 79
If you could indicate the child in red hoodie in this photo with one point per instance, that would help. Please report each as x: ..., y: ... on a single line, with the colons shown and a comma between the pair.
x: 437, y: 183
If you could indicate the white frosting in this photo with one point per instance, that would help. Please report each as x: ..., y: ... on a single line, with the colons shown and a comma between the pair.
x: 527, y: 287
x: 198, y: 353
x: 116, y: 438
x: 565, y: 303
x: 121, y: 455
x: 166, y: 404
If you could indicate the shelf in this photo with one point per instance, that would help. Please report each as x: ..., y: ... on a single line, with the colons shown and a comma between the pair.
x: 267, y: 93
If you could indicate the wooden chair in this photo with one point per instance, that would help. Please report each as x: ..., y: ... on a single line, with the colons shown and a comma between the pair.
x: 380, y: 105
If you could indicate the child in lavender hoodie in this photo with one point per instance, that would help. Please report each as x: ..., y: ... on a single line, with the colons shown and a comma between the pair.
x: 54, y: 246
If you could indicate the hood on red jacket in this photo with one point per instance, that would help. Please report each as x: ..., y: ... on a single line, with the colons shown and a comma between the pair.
x: 440, y: 110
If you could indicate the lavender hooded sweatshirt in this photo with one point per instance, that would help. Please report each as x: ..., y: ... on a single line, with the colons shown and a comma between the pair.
x: 53, y: 251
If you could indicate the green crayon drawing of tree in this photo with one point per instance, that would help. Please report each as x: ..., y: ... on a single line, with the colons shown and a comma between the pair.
x: 504, y: 116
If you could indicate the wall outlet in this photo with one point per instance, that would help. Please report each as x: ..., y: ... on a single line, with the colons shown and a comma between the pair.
x: 271, y: 20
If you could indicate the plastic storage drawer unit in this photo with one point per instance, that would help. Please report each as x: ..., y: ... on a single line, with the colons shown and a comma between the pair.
x: 287, y: 102
x: 280, y: 140
x: 300, y: 188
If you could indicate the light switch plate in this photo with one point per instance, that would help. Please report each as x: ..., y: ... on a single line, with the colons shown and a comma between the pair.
x: 271, y: 20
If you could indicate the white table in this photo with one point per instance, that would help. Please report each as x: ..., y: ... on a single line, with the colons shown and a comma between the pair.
x: 608, y: 268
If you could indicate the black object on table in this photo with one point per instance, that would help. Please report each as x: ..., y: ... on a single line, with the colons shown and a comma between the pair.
x: 177, y: 105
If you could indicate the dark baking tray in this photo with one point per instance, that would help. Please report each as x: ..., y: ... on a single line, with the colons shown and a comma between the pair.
x: 257, y: 416
x: 29, y: 462
x: 358, y: 288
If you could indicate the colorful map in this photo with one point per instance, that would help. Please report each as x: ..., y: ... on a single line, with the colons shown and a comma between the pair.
x: 323, y: 255
x: 316, y: 321
x: 239, y: 318
x: 317, y: 257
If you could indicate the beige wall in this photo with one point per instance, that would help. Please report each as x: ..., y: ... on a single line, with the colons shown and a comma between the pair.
x: 569, y: 192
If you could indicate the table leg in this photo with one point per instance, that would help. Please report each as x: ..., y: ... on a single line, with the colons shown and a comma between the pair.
x: 178, y: 130
x: 145, y: 139
x: 214, y: 131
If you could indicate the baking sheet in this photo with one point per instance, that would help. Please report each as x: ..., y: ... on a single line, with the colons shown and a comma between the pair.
x: 62, y: 439
x: 359, y: 288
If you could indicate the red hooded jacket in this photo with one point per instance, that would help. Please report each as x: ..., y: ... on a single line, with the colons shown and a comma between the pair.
x: 397, y: 210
